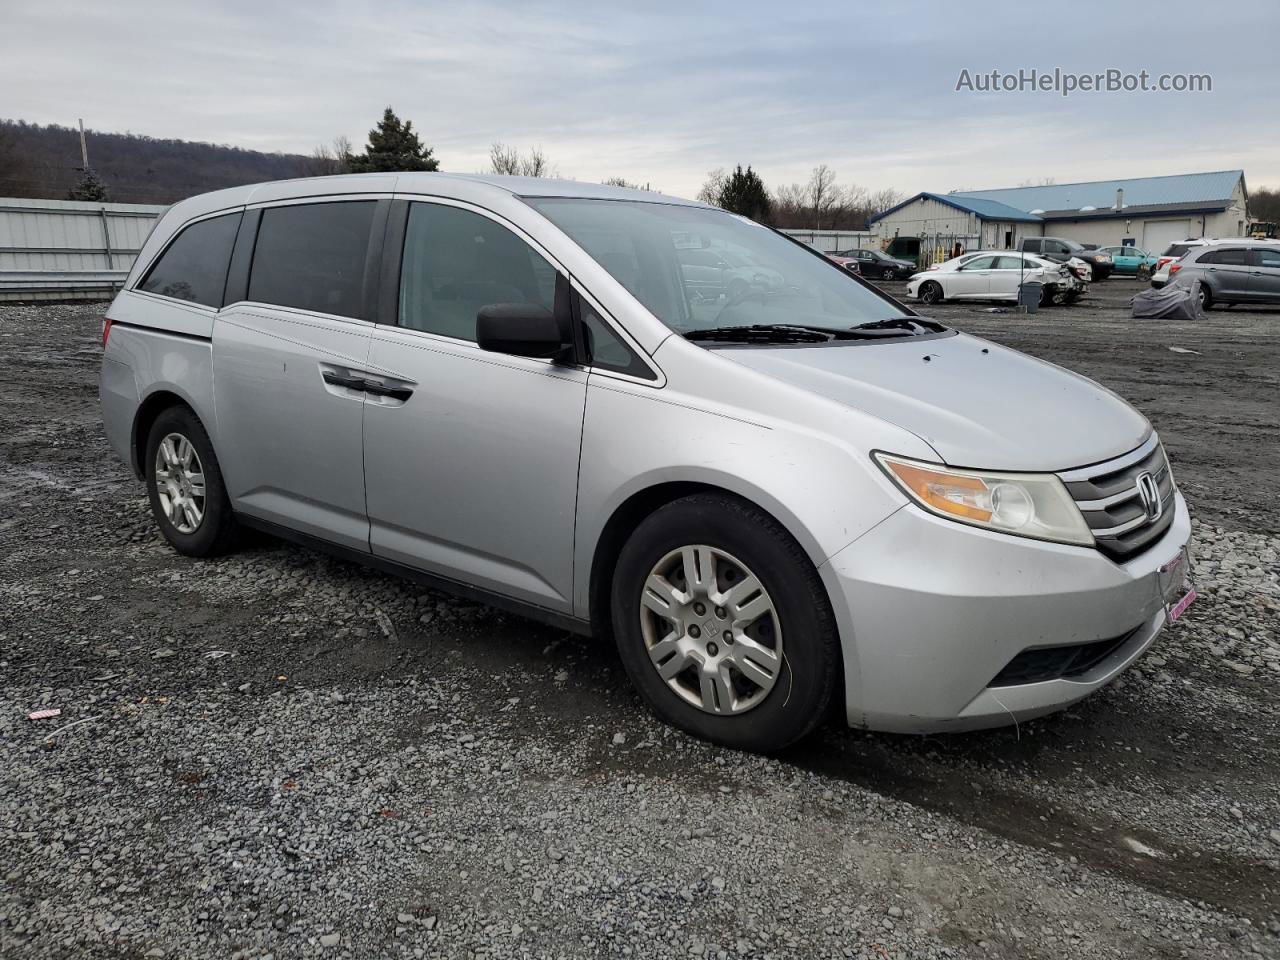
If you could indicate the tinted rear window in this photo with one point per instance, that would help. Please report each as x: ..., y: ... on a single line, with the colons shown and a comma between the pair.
x: 1236, y: 258
x: 194, y: 266
x: 312, y: 256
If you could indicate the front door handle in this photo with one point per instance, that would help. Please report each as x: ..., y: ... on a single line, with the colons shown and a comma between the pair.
x: 338, y: 380
x: 379, y: 390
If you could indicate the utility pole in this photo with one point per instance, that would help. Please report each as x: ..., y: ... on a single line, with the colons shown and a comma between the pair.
x: 84, y: 148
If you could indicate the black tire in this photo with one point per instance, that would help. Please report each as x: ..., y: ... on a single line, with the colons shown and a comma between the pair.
x: 810, y: 661
x: 889, y: 274
x: 931, y: 292
x: 1206, y: 297
x: 216, y: 531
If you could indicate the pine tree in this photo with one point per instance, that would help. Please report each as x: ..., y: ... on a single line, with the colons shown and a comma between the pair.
x: 90, y: 188
x: 393, y: 146
x: 743, y: 193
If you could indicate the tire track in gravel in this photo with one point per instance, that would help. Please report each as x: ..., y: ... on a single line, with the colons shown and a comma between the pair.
x: 1243, y: 886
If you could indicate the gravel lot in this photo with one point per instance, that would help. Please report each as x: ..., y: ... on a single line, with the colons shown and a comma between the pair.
x: 279, y: 754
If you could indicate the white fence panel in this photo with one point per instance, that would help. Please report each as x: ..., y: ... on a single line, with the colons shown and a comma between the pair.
x: 68, y: 250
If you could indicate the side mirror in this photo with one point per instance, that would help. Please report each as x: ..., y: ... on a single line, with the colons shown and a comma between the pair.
x: 523, y: 330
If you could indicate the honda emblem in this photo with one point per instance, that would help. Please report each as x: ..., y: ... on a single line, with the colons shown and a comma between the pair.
x: 1149, y: 492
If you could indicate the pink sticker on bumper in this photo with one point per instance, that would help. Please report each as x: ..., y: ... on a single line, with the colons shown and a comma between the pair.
x: 1179, y: 608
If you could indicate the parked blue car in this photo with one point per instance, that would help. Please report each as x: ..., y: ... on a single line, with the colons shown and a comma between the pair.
x: 1128, y: 260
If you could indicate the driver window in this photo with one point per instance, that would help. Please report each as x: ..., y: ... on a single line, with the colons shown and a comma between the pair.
x: 457, y: 261
x: 981, y: 263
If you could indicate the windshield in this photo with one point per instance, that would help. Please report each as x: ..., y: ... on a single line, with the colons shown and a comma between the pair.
x: 698, y: 269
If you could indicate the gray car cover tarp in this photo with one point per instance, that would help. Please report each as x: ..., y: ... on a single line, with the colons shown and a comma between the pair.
x: 1174, y: 301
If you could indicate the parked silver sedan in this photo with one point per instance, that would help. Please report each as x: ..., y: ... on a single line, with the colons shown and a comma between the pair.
x: 770, y: 495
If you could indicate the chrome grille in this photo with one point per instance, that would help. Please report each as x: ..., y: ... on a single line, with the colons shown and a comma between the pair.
x: 1109, y: 496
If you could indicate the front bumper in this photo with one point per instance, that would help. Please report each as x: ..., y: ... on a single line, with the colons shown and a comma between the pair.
x: 930, y: 611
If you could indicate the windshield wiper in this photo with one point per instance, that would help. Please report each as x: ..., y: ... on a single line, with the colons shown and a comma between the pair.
x: 903, y: 323
x: 765, y: 333
x: 805, y: 333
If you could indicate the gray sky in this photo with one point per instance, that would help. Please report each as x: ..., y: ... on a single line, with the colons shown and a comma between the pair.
x: 664, y: 92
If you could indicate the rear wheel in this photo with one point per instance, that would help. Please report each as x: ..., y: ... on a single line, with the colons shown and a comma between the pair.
x: 931, y: 292
x: 184, y: 483
x: 723, y: 624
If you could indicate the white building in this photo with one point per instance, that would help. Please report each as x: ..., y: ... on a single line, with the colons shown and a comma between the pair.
x: 1147, y: 212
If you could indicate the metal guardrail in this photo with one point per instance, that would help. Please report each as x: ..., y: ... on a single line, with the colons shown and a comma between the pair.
x: 60, y: 249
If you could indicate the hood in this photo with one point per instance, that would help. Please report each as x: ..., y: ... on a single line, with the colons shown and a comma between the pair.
x: 976, y: 403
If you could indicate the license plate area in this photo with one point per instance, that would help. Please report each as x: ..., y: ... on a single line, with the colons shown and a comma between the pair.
x: 1175, y: 585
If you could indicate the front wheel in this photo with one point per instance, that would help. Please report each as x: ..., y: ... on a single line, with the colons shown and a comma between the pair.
x: 184, y: 483
x: 931, y: 292
x: 723, y: 624
x: 1206, y: 298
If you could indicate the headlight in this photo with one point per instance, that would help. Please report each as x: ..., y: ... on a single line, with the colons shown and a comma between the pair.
x: 1034, y: 505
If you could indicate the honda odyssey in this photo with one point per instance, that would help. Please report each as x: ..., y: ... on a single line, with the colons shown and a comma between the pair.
x: 774, y: 492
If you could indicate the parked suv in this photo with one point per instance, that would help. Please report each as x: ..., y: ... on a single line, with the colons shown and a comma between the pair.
x: 1232, y: 271
x: 1172, y: 253
x: 1056, y: 248
x: 505, y: 387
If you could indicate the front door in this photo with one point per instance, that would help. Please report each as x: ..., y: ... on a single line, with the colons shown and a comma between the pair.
x: 292, y: 432
x: 473, y: 476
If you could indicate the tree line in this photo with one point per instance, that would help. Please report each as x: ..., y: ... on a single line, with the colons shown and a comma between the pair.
x: 44, y: 161
x: 819, y: 204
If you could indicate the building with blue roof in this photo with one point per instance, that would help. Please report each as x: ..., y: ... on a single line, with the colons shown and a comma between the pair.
x: 1146, y: 212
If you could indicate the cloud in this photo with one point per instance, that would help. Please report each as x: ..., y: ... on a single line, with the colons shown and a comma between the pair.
x: 663, y: 92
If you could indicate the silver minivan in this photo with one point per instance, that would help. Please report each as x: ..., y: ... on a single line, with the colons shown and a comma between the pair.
x: 774, y: 486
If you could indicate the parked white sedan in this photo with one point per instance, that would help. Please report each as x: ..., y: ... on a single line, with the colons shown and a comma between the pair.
x: 993, y: 275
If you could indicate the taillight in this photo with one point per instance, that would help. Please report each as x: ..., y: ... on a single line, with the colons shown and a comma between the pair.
x: 106, y: 330
x: 1174, y: 268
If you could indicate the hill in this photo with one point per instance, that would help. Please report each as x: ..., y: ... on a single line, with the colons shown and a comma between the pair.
x: 44, y: 161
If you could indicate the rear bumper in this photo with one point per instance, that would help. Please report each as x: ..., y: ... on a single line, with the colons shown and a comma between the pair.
x: 931, y: 611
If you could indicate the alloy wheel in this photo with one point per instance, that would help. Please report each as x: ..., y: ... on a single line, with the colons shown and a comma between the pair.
x: 179, y: 482
x: 711, y: 630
